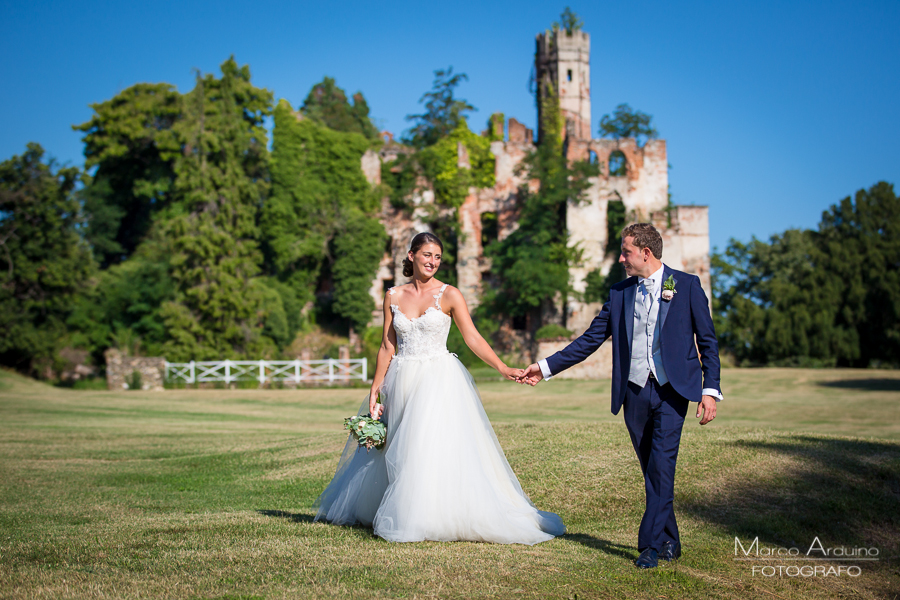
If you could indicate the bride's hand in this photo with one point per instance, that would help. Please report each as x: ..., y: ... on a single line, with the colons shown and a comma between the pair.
x: 375, y: 409
x: 510, y: 373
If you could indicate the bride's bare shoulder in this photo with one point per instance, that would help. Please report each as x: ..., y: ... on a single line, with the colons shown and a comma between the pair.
x: 453, y: 294
x: 400, y: 289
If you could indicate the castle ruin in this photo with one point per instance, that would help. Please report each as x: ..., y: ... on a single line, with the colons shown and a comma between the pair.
x: 633, y: 175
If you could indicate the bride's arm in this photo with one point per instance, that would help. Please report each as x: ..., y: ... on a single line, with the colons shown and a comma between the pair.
x: 385, y: 352
x: 453, y: 300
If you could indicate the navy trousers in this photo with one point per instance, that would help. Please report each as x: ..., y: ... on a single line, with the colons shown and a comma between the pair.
x: 654, y: 416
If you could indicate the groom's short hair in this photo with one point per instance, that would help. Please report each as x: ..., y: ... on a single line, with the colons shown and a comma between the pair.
x: 645, y: 236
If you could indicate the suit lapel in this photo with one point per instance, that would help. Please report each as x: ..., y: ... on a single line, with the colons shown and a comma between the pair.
x: 628, y: 310
x: 664, y: 306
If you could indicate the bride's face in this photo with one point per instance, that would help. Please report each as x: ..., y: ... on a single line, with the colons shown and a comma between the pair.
x: 426, y: 261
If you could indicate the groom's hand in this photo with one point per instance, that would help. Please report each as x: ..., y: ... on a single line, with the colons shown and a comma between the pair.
x: 532, y: 375
x: 708, y: 408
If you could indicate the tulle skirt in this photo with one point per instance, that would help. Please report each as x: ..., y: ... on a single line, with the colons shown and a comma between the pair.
x: 441, y: 475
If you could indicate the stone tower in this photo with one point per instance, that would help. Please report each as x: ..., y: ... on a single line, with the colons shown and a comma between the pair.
x: 562, y: 66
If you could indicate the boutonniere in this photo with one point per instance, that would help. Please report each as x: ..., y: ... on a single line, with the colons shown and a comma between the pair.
x: 669, y: 291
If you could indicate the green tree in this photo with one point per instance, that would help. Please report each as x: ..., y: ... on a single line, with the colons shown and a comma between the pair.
x: 440, y: 164
x: 773, y: 313
x: 131, y: 143
x: 318, y: 220
x: 327, y: 104
x: 533, y: 262
x: 125, y: 298
x: 44, y: 264
x: 822, y: 297
x: 443, y: 112
x: 220, y: 306
x: 358, y: 249
x: 860, y: 239
x: 569, y: 22
x: 628, y: 123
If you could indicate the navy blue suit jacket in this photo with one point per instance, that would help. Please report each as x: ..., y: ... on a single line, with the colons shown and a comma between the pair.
x: 681, y: 319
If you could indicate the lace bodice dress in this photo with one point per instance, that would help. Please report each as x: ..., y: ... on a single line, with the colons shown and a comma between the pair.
x: 442, y: 474
x: 423, y: 337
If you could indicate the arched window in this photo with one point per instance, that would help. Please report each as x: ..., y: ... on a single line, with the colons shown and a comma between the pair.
x: 618, y: 166
x: 592, y: 157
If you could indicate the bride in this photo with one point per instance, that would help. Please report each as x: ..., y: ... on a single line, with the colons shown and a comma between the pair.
x: 441, y: 474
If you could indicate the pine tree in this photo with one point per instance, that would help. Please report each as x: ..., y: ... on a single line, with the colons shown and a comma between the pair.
x: 221, y: 181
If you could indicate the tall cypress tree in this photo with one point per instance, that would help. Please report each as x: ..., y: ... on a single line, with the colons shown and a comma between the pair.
x: 221, y: 181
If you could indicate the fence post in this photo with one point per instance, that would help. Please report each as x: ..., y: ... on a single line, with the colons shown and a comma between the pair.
x: 330, y: 371
x: 193, y: 374
x: 227, y: 371
x: 262, y: 372
x: 365, y: 369
x: 297, y: 371
x: 305, y: 357
x: 344, y: 354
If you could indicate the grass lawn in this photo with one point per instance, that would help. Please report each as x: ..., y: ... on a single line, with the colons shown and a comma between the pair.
x: 208, y: 494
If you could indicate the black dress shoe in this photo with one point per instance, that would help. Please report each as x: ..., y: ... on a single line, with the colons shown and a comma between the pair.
x: 648, y: 559
x: 670, y: 551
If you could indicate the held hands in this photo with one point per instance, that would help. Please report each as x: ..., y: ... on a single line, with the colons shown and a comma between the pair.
x: 511, y: 373
x: 532, y: 375
x: 708, y: 407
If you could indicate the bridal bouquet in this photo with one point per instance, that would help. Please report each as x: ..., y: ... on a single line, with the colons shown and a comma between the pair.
x: 368, y: 432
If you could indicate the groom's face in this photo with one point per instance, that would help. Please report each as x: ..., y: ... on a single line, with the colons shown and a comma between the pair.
x: 633, y: 259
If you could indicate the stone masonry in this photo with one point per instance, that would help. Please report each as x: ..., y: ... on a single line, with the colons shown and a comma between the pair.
x: 120, y: 369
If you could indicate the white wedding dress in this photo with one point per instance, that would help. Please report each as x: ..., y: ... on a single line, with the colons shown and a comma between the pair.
x: 441, y: 474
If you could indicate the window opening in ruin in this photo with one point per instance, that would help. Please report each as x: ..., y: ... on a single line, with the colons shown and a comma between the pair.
x: 389, y: 246
x: 489, y: 228
x: 569, y: 75
x: 520, y: 323
x: 618, y: 166
x: 592, y: 156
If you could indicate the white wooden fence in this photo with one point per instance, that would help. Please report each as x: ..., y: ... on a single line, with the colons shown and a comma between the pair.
x: 292, y: 371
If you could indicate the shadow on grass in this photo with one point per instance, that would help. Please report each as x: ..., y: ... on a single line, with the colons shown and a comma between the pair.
x: 295, y: 517
x: 629, y: 552
x: 868, y: 385
x: 845, y: 492
x: 304, y: 518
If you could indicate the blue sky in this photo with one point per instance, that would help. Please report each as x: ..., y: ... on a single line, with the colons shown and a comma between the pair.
x: 772, y: 111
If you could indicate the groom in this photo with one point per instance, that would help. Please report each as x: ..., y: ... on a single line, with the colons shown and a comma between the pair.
x: 654, y: 318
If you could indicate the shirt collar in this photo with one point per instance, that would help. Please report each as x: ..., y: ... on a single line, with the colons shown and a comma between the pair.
x: 656, y: 277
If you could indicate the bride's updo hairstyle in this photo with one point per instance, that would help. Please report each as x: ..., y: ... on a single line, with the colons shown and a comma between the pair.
x: 420, y: 240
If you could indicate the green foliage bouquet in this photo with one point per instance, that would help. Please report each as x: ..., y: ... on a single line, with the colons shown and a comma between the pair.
x: 368, y: 432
